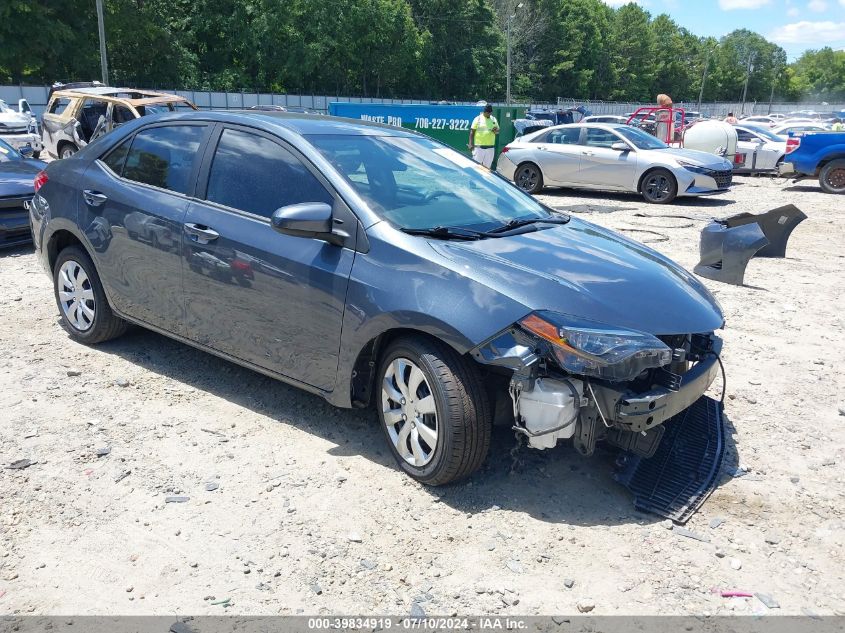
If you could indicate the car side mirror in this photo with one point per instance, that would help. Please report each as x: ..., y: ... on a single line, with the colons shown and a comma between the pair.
x: 26, y: 151
x: 307, y: 219
x: 619, y: 146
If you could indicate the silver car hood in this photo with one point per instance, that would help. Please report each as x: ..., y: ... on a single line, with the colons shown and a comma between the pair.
x: 702, y: 159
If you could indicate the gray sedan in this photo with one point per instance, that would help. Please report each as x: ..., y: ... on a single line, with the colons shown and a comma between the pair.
x: 612, y: 157
x: 377, y: 268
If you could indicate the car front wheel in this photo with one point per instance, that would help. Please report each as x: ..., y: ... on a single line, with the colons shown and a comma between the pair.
x: 433, y: 410
x: 85, y: 311
x: 68, y: 150
x: 659, y: 186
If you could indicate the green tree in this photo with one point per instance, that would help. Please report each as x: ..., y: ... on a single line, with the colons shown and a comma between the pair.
x: 633, y: 54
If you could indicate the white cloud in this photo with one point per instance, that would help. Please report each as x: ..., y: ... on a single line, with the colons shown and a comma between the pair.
x: 730, y: 5
x: 793, y: 12
x: 817, y: 6
x: 805, y: 32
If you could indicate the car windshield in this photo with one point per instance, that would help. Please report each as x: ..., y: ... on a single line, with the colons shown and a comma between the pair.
x: 640, y: 139
x: 766, y: 134
x: 8, y: 153
x: 417, y: 183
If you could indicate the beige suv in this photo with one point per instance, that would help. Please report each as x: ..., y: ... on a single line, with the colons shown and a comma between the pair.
x: 75, y: 117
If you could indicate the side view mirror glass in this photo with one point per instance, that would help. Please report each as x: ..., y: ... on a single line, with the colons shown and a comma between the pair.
x: 23, y: 106
x: 26, y: 151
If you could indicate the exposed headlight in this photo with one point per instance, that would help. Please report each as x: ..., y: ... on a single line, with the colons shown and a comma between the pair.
x: 698, y: 169
x: 594, y: 349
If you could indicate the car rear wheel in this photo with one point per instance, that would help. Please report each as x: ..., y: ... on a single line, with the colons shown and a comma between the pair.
x: 832, y: 176
x: 85, y: 312
x: 529, y: 178
x: 433, y: 410
x: 659, y: 186
x: 68, y: 150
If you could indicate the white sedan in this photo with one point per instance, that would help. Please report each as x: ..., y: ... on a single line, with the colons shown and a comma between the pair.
x: 763, y: 149
x: 760, y: 120
x: 798, y: 128
x: 610, y: 157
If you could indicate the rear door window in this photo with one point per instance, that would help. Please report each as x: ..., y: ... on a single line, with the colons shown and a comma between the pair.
x: 565, y: 136
x: 116, y: 157
x: 254, y: 174
x: 164, y: 156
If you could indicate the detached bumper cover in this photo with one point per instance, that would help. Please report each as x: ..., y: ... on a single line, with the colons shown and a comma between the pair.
x: 786, y: 169
x: 643, y: 411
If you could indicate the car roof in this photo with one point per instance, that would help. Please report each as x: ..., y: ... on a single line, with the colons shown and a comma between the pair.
x: 107, y: 93
x: 297, y: 122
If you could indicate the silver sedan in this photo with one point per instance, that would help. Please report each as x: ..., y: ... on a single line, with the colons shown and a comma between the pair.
x: 614, y: 158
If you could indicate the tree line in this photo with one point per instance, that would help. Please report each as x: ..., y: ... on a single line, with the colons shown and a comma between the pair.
x: 431, y: 49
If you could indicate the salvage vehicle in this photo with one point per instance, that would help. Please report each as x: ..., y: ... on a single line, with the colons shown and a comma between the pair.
x: 614, y: 158
x: 385, y: 270
x: 17, y: 172
x: 763, y: 149
x: 816, y: 155
x: 76, y: 116
x: 19, y: 128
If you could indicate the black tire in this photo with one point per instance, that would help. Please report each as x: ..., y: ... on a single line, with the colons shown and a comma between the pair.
x: 529, y: 178
x: 105, y: 324
x: 659, y: 186
x: 832, y: 176
x: 464, y: 421
x: 67, y: 150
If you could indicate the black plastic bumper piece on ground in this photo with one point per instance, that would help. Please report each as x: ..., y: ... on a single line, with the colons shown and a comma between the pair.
x: 684, y: 470
x: 777, y: 225
x: 725, y: 251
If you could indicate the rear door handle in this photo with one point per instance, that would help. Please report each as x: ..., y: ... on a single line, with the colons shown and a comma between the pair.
x: 94, y: 198
x: 200, y: 233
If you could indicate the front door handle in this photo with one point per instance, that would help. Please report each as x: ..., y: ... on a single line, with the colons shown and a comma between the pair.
x: 94, y: 198
x: 200, y: 233
x: 586, y: 153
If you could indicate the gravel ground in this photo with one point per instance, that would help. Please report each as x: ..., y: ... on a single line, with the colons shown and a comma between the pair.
x: 168, y: 481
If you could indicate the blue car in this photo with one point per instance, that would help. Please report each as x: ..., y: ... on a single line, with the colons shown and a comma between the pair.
x: 17, y: 186
x: 377, y: 268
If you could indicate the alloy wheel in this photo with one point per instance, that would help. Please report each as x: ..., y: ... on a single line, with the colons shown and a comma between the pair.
x: 76, y: 296
x: 657, y: 187
x: 527, y: 178
x: 410, y: 412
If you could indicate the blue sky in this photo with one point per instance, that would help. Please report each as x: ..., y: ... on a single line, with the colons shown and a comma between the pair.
x: 796, y: 25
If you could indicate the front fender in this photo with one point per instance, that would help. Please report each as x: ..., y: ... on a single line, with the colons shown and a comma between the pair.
x: 394, y: 288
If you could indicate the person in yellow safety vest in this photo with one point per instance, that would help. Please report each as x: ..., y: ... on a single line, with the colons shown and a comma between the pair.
x: 482, y: 137
x: 838, y: 126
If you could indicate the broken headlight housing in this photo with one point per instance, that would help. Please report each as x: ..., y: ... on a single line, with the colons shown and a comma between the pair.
x: 588, y: 348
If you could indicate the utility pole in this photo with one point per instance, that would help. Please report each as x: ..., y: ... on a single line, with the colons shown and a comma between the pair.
x: 508, y: 79
x: 704, y: 77
x: 748, y: 69
x: 772, y: 95
x: 104, y: 64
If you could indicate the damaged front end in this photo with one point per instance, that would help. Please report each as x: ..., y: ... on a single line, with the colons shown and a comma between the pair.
x: 573, y: 378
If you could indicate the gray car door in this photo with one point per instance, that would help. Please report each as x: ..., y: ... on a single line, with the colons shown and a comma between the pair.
x: 134, y: 200
x: 603, y: 167
x: 558, y: 155
x: 273, y: 300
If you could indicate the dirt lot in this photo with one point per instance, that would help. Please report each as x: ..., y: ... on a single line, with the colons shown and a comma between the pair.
x: 295, y: 507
